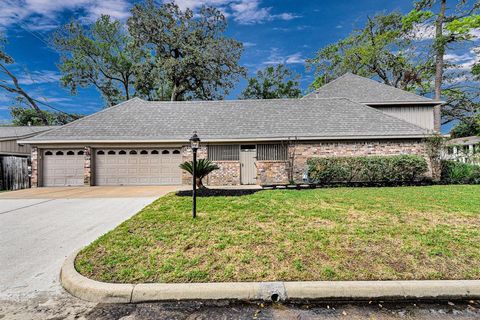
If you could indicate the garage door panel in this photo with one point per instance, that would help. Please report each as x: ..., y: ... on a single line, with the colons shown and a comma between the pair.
x: 137, y: 167
x: 62, y: 169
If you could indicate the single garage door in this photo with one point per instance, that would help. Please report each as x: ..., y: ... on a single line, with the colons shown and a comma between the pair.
x: 115, y: 167
x: 63, y: 168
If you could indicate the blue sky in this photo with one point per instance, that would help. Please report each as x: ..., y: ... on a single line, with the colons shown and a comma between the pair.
x: 283, y: 31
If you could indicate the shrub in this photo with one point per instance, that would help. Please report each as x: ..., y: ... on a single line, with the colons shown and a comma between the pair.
x: 202, y: 168
x: 460, y: 173
x: 373, y: 169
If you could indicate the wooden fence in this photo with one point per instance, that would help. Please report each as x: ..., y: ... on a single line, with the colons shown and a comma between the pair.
x: 14, y: 173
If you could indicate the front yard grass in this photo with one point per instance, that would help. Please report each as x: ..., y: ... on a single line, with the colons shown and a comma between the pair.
x: 323, y: 234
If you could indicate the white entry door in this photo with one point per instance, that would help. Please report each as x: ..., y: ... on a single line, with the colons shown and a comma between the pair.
x: 115, y: 167
x: 248, y: 170
x: 62, y: 168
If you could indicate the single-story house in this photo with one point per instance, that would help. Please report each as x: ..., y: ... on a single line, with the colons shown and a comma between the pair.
x: 141, y: 142
x: 466, y: 149
x: 14, y: 157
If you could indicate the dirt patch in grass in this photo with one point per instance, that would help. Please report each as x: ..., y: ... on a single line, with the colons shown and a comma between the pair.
x: 324, y: 234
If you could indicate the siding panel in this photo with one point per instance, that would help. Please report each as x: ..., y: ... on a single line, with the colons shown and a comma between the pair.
x: 421, y: 116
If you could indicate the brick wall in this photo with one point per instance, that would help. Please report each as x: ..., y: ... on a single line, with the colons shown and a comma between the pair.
x: 304, y: 151
x: 272, y: 172
x: 227, y: 175
x: 35, y: 173
x: 87, y: 167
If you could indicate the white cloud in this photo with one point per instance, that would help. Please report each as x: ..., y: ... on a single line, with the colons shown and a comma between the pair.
x: 242, y: 11
x: 276, y: 58
x: 42, y: 15
x: 463, y: 61
x: 249, y: 44
x: 38, y: 77
x: 295, y: 58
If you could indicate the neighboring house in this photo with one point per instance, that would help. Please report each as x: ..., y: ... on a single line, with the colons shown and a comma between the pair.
x: 253, y: 141
x: 466, y: 149
x: 14, y: 157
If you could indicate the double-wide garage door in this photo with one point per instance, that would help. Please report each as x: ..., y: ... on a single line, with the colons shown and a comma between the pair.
x: 137, y: 167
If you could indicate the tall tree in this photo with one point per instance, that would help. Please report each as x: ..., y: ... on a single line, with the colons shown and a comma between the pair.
x: 274, y: 82
x: 449, y: 28
x: 381, y: 49
x: 10, y: 83
x: 102, y: 55
x: 189, y: 50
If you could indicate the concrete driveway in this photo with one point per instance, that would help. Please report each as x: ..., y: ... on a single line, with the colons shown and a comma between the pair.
x: 40, y: 227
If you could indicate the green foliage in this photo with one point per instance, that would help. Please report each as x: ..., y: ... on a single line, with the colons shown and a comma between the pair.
x: 454, y: 172
x: 466, y: 128
x: 380, y: 49
x: 189, y: 50
x: 274, y: 82
x: 374, y: 169
x: 101, y: 55
x: 464, y: 25
x: 202, y: 169
x: 461, y: 103
x: 25, y: 116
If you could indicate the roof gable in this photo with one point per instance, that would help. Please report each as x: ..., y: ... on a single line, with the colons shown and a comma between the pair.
x: 365, y: 90
x: 138, y: 120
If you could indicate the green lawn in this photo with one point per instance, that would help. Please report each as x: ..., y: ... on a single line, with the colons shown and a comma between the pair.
x: 324, y: 234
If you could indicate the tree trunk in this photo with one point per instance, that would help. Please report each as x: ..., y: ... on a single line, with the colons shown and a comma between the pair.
x: 174, y: 96
x: 439, y: 63
x: 199, y: 183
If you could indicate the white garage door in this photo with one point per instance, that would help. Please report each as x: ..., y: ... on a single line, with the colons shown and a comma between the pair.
x: 62, y: 168
x: 137, y: 167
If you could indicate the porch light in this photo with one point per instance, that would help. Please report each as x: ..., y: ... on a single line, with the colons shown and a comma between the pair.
x: 195, y: 141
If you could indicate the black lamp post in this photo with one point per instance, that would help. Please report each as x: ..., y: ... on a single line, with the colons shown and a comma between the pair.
x: 194, y: 144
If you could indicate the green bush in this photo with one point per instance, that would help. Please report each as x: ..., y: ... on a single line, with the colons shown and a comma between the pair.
x: 373, y: 169
x: 460, y: 173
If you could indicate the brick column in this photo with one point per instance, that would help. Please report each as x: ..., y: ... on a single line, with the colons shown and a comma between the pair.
x: 35, y: 162
x: 88, y: 178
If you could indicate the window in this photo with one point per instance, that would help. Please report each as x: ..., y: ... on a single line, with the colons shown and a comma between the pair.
x: 81, y: 153
x: 450, y: 150
x: 176, y: 152
x: 122, y: 152
x: 154, y: 152
x: 144, y: 152
x: 223, y: 152
x: 70, y: 153
x: 48, y: 153
x: 111, y: 152
x: 247, y: 147
x: 133, y: 152
x: 59, y: 153
x: 165, y: 152
x: 100, y: 152
x: 272, y: 152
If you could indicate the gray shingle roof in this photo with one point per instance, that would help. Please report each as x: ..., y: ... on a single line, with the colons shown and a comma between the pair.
x: 364, y: 90
x: 140, y: 120
x: 22, y: 131
x: 464, y: 141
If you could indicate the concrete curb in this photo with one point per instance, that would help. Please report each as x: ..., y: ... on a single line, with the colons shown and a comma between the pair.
x: 95, y: 291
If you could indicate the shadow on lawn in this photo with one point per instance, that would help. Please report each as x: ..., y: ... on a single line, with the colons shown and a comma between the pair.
x: 218, y: 192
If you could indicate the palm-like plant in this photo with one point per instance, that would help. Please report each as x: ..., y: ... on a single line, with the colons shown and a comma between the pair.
x: 202, y: 169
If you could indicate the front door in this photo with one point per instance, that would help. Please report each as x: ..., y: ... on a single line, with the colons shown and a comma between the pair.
x: 248, y: 171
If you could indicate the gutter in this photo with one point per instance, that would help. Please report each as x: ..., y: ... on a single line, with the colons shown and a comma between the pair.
x: 264, y: 139
x: 388, y: 103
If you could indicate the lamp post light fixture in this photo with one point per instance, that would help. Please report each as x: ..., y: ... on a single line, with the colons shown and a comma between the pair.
x: 194, y: 144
